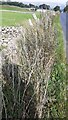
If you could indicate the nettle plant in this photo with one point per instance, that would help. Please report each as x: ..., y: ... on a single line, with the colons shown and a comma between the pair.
x: 25, y: 95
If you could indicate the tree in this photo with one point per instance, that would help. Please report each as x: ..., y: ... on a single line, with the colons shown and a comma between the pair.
x: 57, y: 8
x: 8, y: 0
x: 44, y: 6
x: 31, y: 6
x: 66, y: 9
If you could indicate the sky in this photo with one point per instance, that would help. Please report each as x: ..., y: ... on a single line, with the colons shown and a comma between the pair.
x: 43, y: 1
x: 52, y: 3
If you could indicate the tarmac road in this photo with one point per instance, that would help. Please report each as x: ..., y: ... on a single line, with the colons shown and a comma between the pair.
x: 16, y: 11
x: 64, y: 23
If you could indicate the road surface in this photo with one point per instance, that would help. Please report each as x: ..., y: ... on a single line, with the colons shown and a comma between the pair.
x: 64, y: 23
x: 16, y: 11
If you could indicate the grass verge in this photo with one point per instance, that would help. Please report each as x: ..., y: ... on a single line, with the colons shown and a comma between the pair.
x: 57, y: 83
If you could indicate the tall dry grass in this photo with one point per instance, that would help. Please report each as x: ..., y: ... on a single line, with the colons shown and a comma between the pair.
x: 25, y: 92
x: 38, y: 46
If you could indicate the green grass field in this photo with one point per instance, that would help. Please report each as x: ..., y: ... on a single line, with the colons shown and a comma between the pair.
x: 8, y: 7
x: 9, y: 18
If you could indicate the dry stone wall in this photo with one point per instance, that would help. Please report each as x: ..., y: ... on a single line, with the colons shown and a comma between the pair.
x: 8, y: 49
x: 8, y: 41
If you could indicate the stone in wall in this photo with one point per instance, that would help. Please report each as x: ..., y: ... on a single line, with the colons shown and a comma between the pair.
x: 8, y: 41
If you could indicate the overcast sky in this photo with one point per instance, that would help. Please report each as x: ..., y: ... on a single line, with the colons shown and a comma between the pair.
x: 52, y: 3
x: 43, y: 1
